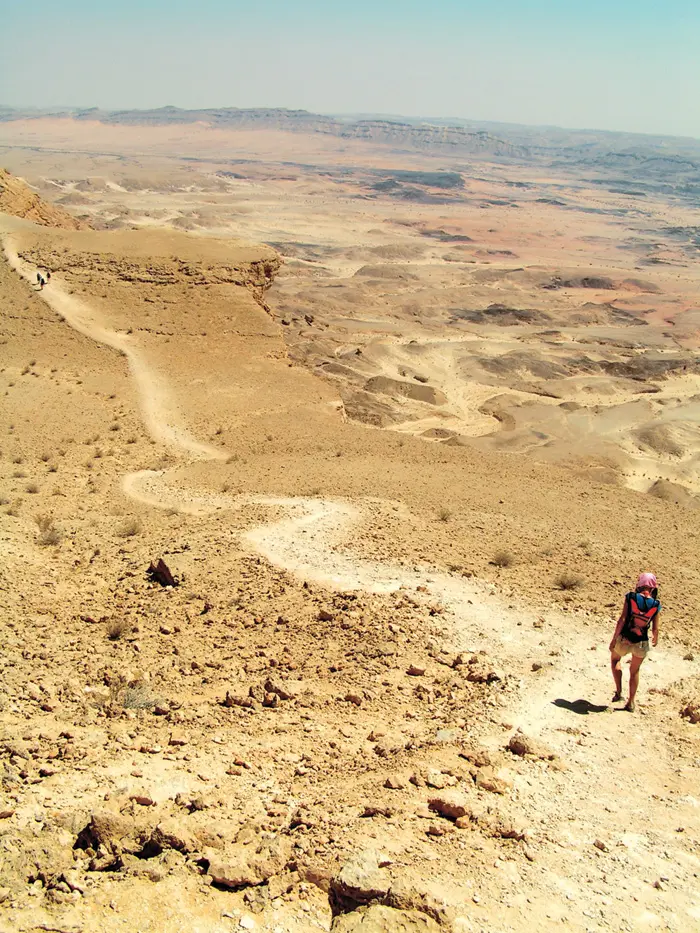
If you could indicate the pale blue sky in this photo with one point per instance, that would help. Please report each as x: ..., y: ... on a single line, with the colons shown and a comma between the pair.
x: 609, y: 64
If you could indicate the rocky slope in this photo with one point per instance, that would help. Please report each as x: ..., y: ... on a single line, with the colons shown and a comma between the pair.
x: 17, y: 199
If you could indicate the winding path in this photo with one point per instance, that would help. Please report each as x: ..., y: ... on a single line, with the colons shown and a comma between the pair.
x: 308, y: 542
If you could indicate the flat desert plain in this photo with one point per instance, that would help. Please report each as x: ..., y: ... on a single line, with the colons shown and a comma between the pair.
x: 404, y: 421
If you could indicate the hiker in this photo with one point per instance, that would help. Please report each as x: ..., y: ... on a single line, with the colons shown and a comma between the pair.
x: 38, y: 278
x: 48, y: 277
x: 41, y: 282
x: 641, y: 610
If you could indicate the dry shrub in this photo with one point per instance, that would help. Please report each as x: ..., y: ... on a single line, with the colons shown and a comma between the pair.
x: 117, y: 628
x: 568, y: 581
x: 503, y: 559
x: 444, y: 514
x: 134, y: 695
x: 32, y: 488
x: 49, y: 535
x: 129, y: 527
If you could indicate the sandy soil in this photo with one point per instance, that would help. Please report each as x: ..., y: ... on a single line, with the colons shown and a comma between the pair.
x: 363, y: 623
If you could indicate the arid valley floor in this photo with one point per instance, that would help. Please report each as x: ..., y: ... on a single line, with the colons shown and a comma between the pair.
x: 404, y: 411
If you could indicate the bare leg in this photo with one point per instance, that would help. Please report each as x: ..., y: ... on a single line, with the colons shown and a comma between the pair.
x: 617, y: 673
x: 635, y: 664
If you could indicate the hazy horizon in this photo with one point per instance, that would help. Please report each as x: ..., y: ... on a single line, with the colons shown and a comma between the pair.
x: 543, y: 63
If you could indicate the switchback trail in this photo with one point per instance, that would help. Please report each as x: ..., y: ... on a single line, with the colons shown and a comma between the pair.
x: 570, y: 683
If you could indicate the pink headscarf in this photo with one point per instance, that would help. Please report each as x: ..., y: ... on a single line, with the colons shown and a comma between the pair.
x: 646, y: 581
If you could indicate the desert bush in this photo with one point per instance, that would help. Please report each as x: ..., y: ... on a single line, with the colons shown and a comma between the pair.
x: 4, y: 500
x: 115, y: 427
x: 18, y: 459
x: 125, y: 695
x: 503, y: 559
x: 53, y: 468
x: 18, y: 474
x: 117, y: 628
x: 444, y: 514
x: 45, y: 457
x: 568, y: 581
x: 32, y: 488
x: 50, y: 537
x: 138, y: 696
x: 129, y: 527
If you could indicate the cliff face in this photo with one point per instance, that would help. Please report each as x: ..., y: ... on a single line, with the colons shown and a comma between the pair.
x: 456, y: 139
x: 18, y: 199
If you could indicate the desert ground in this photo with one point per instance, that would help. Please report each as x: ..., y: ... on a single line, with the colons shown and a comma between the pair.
x: 404, y: 423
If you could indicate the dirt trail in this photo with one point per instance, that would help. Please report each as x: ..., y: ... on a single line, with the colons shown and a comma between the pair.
x: 308, y: 541
x: 153, y: 396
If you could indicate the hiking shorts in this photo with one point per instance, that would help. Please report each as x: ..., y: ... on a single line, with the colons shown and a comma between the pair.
x: 638, y: 649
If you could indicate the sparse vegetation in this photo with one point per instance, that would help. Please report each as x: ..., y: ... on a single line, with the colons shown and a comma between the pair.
x: 129, y: 528
x: 568, y: 580
x: 118, y: 628
x: 503, y: 559
x: 444, y: 514
x: 31, y: 488
x: 49, y: 535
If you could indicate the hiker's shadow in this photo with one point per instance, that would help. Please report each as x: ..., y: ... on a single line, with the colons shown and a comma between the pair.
x: 582, y: 707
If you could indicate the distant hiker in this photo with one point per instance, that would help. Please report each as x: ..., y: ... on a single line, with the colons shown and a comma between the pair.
x: 38, y: 278
x: 48, y: 277
x: 640, y: 612
x: 42, y: 282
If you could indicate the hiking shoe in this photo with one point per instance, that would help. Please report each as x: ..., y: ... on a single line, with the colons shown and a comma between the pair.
x: 616, y: 698
x: 630, y: 706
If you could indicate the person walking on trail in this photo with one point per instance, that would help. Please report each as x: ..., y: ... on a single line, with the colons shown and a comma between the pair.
x: 639, y: 613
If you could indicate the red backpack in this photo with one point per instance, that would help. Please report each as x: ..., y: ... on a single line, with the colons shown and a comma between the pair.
x: 641, y: 612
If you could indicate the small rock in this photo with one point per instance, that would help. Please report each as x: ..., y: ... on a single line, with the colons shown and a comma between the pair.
x: 142, y: 799
x: 599, y: 844
x: 324, y: 615
x: 488, y: 780
x: 353, y: 698
x: 377, y: 811
x: 414, y: 670
x: 394, y: 783
x: 436, y: 779
x: 450, y: 804
x: 521, y: 744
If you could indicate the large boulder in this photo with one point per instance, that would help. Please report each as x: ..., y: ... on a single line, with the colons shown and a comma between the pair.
x: 362, y: 879
x: 243, y: 866
x: 381, y: 919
